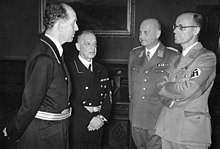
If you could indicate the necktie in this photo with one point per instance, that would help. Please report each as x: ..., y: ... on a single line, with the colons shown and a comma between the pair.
x: 90, y: 67
x: 148, y: 55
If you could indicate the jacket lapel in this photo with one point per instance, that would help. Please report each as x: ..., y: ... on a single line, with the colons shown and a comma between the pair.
x: 157, y: 57
x: 190, y: 56
x: 80, y: 67
x: 142, y: 59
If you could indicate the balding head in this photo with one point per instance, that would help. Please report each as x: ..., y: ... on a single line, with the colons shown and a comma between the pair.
x: 150, y: 31
x: 193, y: 18
x: 153, y: 22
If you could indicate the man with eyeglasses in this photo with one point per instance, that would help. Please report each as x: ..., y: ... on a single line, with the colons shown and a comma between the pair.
x: 186, y: 122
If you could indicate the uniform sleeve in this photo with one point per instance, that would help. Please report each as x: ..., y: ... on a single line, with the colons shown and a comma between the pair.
x: 129, y: 73
x: 38, y: 77
x: 130, y: 84
x: 196, y: 83
x: 107, y: 101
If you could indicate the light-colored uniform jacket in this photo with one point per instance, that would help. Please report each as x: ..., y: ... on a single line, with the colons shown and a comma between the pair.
x: 145, y: 105
x: 191, y: 78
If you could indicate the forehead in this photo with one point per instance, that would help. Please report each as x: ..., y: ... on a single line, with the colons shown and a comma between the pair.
x: 71, y: 13
x: 185, y: 19
x: 147, y: 25
x: 89, y: 37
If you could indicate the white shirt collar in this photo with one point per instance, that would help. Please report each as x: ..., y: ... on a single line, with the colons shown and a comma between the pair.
x: 152, y: 50
x: 188, y: 49
x: 58, y: 45
x: 85, y: 62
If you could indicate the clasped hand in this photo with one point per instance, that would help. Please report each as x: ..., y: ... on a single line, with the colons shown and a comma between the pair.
x: 95, y: 124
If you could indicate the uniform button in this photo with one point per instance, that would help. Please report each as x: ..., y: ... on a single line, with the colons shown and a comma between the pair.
x: 101, y: 85
x: 65, y: 78
x: 145, y: 80
x: 101, y: 102
x: 84, y: 102
x: 101, y: 94
x: 146, y: 71
x: 144, y: 88
x: 86, y: 87
x: 90, y: 104
x: 143, y: 97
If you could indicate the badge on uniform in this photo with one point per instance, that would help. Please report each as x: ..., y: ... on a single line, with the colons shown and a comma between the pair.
x: 160, y: 53
x: 141, y: 54
x: 196, y: 73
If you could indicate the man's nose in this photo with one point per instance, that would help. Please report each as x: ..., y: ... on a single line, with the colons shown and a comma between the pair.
x: 76, y: 28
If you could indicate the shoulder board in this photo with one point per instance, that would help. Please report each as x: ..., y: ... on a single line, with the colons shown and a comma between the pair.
x: 136, y: 48
x: 173, y: 49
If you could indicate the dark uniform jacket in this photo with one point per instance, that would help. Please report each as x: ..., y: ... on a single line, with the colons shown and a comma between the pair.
x: 145, y: 104
x: 89, y: 89
x: 190, y: 80
x: 47, y: 88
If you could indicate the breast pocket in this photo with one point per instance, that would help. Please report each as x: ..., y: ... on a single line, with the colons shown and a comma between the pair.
x: 136, y: 72
x: 159, y: 74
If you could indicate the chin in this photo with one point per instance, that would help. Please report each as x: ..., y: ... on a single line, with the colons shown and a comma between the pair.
x: 177, y: 41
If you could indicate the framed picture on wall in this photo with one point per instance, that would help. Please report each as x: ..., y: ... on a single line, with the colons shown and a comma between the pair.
x: 105, y: 17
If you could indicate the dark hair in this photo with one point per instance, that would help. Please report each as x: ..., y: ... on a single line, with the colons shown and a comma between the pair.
x: 84, y: 32
x: 198, y: 19
x: 53, y: 13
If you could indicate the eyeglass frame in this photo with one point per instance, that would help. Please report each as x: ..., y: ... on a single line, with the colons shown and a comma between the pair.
x: 181, y: 27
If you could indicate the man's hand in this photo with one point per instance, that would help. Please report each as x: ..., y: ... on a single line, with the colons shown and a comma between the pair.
x: 95, y: 124
x: 4, y: 131
x: 161, y: 84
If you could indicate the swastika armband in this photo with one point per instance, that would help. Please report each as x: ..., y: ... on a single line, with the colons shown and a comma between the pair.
x: 196, y: 73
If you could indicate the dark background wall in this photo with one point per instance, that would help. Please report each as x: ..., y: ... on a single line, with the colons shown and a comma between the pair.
x: 19, y: 27
x: 20, y: 19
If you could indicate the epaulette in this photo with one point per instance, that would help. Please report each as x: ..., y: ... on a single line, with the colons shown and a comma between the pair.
x: 136, y: 48
x: 173, y: 49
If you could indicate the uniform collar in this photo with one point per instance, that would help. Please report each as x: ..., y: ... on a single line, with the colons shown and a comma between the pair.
x: 152, y: 50
x: 58, y: 45
x: 85, y: 62
x: 188, y: 49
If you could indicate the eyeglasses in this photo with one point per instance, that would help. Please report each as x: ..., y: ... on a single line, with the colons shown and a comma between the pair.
x: 181, y: 27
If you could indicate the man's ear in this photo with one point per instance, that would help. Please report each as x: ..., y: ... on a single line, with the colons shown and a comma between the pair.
x: 77, y: 46
x: 196, y: 30
x: 158, y: 33
x: 60, y: 25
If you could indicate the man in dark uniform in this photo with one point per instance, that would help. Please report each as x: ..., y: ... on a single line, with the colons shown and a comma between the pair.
x: 41, y: 122
x: 147, y: 66
x: 91, y: 98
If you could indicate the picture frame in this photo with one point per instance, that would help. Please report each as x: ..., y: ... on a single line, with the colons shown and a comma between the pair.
x: 107, y: 18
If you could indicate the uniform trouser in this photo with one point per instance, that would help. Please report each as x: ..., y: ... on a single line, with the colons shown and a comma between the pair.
x: 170, y: 145
x: 81, y: 138
x: 145, y: 139
x: 42, y: 134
